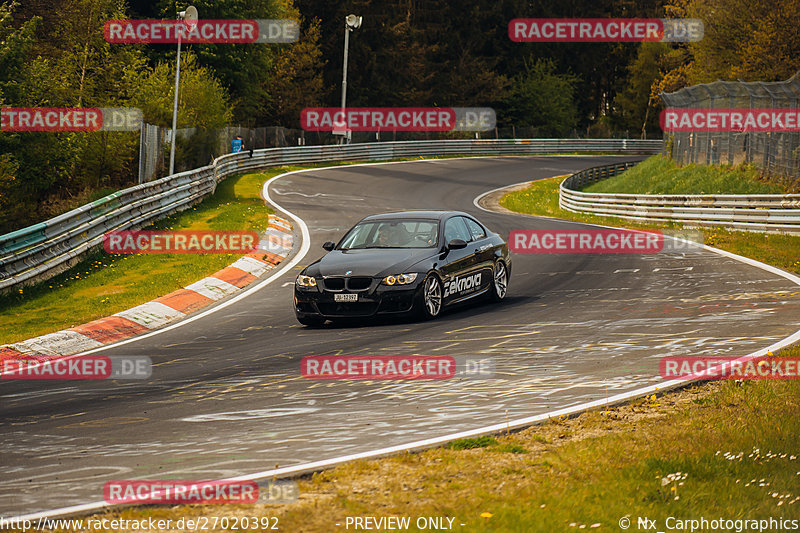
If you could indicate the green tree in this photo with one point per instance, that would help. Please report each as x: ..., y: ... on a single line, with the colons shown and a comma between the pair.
x: 16, y: 40
x: 12, y: 204
x: 751, y: 40
x: 203, y: 101
x: 448, y: 52
x: 295, y: 80
x: 636, y: 108
x: 75, y: 67
x: 203, y: 105
x: 438, y: 52
x: 542, y: 98
x: 66, y: 62
x: 242, y: 69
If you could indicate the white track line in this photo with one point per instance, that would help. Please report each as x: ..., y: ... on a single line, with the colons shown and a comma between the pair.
x: 752, y: 262
x: 304, y: 247
x: 282, y: 268
x: 428, y: 443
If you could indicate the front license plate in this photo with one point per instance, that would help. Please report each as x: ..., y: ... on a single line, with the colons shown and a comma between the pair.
x: 345, y: 297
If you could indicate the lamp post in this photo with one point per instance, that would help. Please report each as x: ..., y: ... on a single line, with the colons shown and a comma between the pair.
x: 351, y: 22
x: 189, y: 17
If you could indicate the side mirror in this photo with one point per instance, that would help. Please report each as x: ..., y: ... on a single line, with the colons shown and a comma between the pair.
x: 329, y: 245
x: 456, y: 244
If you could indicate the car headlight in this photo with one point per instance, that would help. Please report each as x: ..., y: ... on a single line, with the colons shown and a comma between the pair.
x: 402, y: 279
x: 306, y: 281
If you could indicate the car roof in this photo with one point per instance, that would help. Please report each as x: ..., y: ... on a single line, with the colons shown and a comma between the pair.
x: 437, y: 215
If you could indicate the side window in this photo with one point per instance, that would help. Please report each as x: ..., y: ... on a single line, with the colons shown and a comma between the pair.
x: 475, y: 229
x: 454, y: 228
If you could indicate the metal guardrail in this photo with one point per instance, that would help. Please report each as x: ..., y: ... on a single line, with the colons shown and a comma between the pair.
x: 45, y: 249
x: 753, y: 212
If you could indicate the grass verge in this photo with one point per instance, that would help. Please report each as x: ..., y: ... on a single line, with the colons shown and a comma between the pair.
x: 715, y: 450
x: 719, y: 449
x: 660, y: 175
x: 104, y: 284
x: 541, y: 198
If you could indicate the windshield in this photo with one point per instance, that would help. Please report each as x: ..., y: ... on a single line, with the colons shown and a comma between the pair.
x: 405, y: 233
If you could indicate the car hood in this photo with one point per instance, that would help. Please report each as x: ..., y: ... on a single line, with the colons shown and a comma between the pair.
x: 371, y: 262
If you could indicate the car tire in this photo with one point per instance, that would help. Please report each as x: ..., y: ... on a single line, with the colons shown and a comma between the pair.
x: 311, y: 321
x: 499, y: 281
x: 431, y: 299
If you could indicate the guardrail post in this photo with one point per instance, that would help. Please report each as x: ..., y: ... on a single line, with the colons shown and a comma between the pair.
x: 760, y: 212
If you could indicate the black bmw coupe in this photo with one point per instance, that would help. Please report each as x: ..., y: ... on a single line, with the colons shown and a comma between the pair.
x: 407, y: 263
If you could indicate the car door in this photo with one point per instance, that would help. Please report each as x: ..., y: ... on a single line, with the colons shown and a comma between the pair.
x: 481, y: 244
x: 482, y: 248
x: 458, y: 267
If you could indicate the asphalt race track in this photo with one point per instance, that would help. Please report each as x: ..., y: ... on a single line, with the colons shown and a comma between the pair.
x: 226, y: 397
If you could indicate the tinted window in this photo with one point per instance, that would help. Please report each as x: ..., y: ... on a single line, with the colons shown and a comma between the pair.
x: 475, y: 229
x: 392, y: 234
x: 454, y: 228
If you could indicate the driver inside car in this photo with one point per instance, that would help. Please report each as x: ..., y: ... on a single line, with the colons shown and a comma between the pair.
x: 392, y: 237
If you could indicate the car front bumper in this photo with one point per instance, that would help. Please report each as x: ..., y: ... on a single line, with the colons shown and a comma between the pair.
x: 377, y: 300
